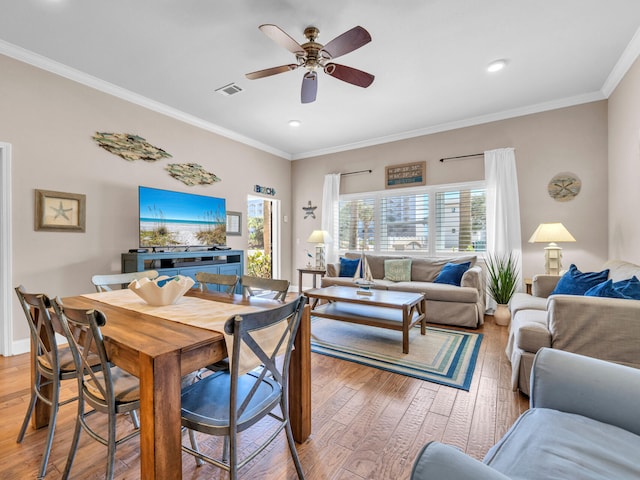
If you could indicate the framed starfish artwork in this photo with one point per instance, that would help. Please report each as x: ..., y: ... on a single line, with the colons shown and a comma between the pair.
x: 60, y: 211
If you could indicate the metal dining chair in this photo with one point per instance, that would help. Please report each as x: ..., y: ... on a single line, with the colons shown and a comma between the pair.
x: 253, y: 286
x: 104, y: 283
x: 110, y: 390
x: 50, y: 362
x: 228, y: 402
x: 229, y: 281
x: 257, y: 285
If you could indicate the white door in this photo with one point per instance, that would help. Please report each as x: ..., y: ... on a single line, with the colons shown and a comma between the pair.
x: 263, y: 229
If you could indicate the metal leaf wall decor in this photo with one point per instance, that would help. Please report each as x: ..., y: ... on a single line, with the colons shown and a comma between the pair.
x: 191, y: 174
x: 130, y: 147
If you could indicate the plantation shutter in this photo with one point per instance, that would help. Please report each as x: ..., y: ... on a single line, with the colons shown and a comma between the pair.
x: 460, y: 220
x: 404, y: 222
x: 357, y: 219
x: 425, y: 220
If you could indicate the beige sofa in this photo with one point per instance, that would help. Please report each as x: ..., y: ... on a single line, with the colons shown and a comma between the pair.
x: 605, y: 328
x: 461, y: 306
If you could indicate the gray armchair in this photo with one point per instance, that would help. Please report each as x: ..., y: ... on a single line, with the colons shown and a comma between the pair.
x: 583, y: 423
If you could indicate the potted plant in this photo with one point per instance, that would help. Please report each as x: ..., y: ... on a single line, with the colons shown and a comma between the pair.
x: 502, y: 272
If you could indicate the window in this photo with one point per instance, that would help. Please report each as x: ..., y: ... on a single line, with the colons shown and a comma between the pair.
x: 390, y: 221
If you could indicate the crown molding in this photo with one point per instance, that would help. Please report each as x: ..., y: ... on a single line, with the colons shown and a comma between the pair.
x: 493, y: 117
x: 65, y: 71
x: 625, y: 61
x: 622, y: 66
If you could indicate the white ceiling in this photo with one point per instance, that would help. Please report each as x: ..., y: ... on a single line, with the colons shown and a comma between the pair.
x: 428, y: 57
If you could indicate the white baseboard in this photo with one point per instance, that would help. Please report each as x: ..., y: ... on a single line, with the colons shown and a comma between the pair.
x: 18, y: 347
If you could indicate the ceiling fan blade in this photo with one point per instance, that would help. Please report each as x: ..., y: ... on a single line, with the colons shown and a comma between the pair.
x: 267, y: 72
x: 347, y: 42
x: 283, y: 39
x: 309, y: 87
x: 349, y: 75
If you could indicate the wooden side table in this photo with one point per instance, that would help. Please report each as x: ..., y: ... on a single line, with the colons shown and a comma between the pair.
x: 528, y: 283
x: 311, y: 271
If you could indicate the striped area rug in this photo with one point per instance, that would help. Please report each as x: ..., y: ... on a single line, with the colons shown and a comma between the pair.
x: 443, y: 356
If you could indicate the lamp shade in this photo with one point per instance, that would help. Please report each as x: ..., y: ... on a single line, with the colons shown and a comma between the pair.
x: 551, y: 232
x: 319, y: 236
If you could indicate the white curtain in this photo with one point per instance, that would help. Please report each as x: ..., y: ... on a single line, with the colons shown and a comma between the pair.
x: 330, y: 205
x: 503, y: 206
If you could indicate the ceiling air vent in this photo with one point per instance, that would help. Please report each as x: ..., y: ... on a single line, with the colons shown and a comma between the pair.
x: 229, y: 90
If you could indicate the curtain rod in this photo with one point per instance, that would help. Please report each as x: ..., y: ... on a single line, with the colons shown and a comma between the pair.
x: 462, y: 156
x: 355, y: 173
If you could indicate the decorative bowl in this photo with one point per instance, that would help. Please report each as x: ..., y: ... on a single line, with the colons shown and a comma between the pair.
x: 163, y: 290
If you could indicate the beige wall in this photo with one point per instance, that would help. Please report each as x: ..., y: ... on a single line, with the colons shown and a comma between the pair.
x: 624, y: 167
x: 570, y: 139
x: 49, y: 122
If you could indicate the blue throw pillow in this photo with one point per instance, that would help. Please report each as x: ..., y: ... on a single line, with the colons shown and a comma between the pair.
x: 629, y: 289
x: 348, y: 266
x: 575, y: 282
x: 452, y: 273
x: 604, y: 289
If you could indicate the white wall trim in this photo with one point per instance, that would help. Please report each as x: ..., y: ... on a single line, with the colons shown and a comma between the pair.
x: 6, y: 273
x: 631, y: 52
x: 623, y: 65
x: 62, y: 70
x: 21, y: 346
x: 470, y: 122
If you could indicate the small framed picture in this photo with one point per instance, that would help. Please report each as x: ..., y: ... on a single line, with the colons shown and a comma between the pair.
x: 60, y: 211
x: 234, y: 223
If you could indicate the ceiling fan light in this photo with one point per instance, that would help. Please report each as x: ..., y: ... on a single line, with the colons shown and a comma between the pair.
x: 496, y: 66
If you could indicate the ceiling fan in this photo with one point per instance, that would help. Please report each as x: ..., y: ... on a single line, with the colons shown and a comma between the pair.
x: 313, y: 56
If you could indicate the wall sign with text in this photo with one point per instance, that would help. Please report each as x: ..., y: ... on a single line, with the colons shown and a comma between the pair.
x: 406, y: 175
x: 264, y: 190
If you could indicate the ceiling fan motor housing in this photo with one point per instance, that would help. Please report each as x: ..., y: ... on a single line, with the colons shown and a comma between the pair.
x: 311, y: 60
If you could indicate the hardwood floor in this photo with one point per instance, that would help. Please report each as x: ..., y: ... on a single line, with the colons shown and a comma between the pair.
x: 367, y: 423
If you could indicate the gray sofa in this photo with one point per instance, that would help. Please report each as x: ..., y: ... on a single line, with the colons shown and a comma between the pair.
x: 605, y: 328
x: 583, y: 424
x: 461, y: 306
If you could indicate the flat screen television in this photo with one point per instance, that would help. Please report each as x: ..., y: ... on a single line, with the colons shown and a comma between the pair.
x: 177, y: 219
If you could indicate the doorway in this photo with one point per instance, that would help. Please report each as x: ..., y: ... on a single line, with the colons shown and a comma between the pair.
x: 6, y: 269
x: 263, y: 228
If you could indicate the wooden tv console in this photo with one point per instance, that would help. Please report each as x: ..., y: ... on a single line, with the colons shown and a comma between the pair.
x: 226, y: 262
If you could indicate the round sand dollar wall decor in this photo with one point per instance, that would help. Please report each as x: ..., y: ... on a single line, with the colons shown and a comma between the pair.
x: 564, y: 186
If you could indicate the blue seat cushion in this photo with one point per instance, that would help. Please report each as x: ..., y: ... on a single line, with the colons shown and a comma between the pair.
x: 575, y: 282
x: 549, y: 444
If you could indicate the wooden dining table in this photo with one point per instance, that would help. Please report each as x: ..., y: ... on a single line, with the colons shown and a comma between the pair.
x: 160, y: 351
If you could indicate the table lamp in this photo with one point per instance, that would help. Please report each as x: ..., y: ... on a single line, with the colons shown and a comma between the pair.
x: 320, y: 238
x: 552, y: 233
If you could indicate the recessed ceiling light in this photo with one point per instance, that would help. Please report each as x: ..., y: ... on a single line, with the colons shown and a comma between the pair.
x: 496, y: 66
x: 295, y: 123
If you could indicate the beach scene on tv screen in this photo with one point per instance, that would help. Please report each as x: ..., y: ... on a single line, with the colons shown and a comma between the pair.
x: 170, y: 218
